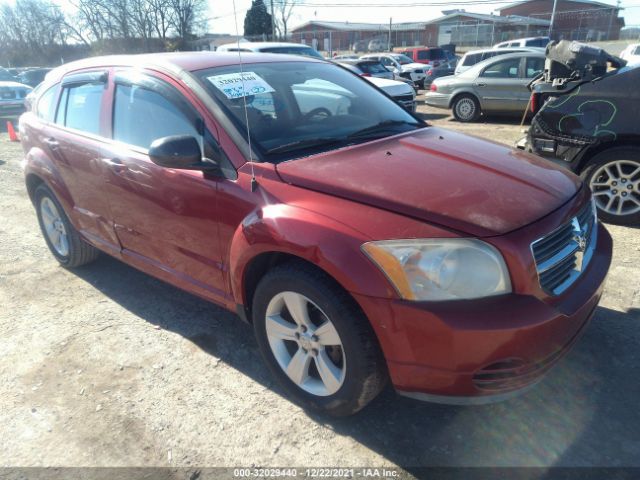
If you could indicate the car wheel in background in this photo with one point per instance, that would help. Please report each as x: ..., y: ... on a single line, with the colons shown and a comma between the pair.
x: 614, y: 179
x: 62, y: 238
x: 466, y: 108
x: 316, y: 341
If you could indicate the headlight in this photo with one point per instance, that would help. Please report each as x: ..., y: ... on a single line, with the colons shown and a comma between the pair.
x: 441, y: 269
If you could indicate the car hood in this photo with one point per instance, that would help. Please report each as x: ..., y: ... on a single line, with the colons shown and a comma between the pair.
x: 463, y: 183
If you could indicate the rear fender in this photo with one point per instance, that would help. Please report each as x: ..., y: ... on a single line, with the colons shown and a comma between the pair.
x: 38, y: 165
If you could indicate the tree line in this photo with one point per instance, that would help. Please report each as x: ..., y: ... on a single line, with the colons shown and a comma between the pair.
x: 39, y: 32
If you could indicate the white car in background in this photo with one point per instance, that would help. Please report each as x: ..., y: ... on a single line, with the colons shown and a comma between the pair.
x: 12, y: 98
x: 401, y: 65
x: 631, y: 54
x: 540, y: 42
x: 271, y: 47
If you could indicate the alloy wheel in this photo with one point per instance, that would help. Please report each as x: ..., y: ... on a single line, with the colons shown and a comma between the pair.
x: 305, y: 344
x: 54, y: 226
x: 465, y: 108
x: 616, y: 187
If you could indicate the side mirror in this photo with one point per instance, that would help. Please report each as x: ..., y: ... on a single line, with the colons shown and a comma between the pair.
x: 180, y: 152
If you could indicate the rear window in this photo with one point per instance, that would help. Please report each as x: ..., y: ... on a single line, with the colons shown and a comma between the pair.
x: 309, y: 52
x: 409, y: 54
x: 471, y: 59
x: 537, y: 42
x: 431, y: 54
x: 373, y: 68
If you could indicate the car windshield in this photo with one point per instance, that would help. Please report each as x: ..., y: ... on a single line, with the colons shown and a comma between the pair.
x: 402, y: 59
x: 297, y: 109
x: 307, y: 51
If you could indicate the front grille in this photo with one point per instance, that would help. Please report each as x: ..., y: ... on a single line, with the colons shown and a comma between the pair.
x: 562, y: 255
x: 7, y: 94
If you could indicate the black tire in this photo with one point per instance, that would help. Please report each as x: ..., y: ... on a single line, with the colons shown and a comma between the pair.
x: 79, y: 251
x: 594, y: 174
x: 365, y: 373
x: 466, y: 108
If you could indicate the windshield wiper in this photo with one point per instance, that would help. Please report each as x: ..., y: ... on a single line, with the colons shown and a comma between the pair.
x: 306, y: 143
x: 381, y: 127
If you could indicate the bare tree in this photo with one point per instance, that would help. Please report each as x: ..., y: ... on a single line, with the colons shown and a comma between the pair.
x: 187, y: 16
x: 161, y: 17
x: 282, y: 11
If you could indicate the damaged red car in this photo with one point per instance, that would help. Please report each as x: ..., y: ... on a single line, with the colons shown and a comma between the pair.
x: 361, y: 243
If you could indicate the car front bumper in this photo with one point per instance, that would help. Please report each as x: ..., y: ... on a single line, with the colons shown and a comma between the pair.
x: 482, y: 351
x: 438, y: 100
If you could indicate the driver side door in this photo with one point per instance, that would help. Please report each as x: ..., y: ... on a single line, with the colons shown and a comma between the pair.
x: 166, y: 219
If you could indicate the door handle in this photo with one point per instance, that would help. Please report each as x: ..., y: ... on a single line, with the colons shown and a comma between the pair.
x: 52, y: 143
x: 115, y: 164
x: 481, y: 84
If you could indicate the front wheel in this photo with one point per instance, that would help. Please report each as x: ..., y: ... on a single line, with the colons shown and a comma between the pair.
x: 466, y: 108
x: 614, y: 179
x: 316, y: 341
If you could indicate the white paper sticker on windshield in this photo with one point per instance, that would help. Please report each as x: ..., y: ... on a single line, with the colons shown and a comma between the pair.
x: 238, y: 85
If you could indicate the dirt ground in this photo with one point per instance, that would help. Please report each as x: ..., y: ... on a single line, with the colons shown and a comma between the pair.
x: 106, y: 366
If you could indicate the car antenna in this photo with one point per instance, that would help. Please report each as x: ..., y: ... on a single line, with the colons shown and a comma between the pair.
x: 254, y: 182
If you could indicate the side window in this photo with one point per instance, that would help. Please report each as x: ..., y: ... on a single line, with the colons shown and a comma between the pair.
x: 535, y: 66
x: 423, y: 55
x: 471, y: 59
x: 503, y: 69
x: 141, y: 116
x: 79, y: 107
x: 46, y: 104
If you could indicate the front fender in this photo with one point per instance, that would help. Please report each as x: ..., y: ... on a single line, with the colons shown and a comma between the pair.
x: 331, y: 245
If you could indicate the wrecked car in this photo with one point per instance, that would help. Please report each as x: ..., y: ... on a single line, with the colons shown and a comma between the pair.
x: 586, y: 105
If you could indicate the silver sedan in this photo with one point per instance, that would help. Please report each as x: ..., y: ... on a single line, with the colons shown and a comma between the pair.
x: 497, y: 85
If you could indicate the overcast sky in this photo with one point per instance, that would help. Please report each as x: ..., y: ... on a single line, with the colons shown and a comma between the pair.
x: 368, y: 13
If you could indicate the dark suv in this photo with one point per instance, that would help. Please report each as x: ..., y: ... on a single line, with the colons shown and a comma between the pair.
x: 587, y: 120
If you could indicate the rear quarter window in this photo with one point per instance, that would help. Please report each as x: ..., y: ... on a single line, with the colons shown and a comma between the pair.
x: 471, y: 59
x: 46, y: 104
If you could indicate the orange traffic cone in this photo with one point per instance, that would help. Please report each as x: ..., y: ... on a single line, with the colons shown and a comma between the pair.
x: 12, y: 133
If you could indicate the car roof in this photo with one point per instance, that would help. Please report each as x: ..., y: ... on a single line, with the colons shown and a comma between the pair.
x: 175, y: 62
x: 355, y: 61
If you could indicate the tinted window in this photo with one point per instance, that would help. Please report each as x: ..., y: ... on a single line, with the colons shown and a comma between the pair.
x: 141, y: 116
x: 409, y: 54
x: 80, y: 107
x: 309, y: 52
x: 423, y: 55
x: 46, y: 104
x: 432, y: 54
x: 535, y: 66
x: 471, y: 59
x: 373, y: 68
x: 636, y: 51
x: 503, y: 69
x: 538, y: 42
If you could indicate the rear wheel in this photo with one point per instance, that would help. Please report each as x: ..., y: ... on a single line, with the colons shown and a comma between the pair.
x: 614, y: 179
x: 466, y: 108
x: 62, y: 238
x: 316, y: 341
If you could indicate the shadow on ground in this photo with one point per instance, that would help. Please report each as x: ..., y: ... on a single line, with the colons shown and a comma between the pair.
x: 583, y: 414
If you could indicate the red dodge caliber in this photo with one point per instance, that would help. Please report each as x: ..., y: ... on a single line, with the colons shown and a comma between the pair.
x: 362, y: 244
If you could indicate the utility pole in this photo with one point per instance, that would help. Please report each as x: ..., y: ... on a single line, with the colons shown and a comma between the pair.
x: 389, y: 42
x: 553, y: 17
x: 273, y: 23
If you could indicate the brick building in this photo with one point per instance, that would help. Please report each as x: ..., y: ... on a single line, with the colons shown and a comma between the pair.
x: 575, y: 19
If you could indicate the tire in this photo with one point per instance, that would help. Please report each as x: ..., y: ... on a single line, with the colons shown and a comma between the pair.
x: 614, y: 179
x: 356, y: 368
x: 67, y: 246
x: 466, y: 108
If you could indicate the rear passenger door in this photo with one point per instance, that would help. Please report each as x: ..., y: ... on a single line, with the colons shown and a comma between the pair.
x: 74, y: 140
x: 500, y: 84
x: 166, y: 219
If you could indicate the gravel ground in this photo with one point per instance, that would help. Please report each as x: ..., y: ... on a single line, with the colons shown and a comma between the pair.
x: 105, y: 366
